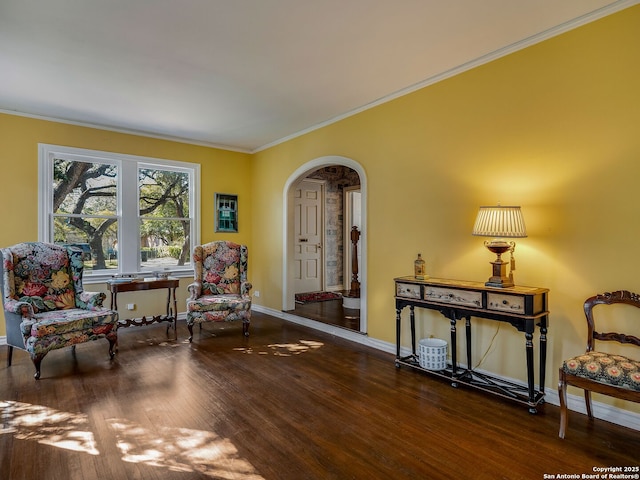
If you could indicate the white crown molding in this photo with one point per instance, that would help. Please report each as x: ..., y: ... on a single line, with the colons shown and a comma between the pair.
x: 489, y: 57
x: 529, y: 41
x: 138, y: 133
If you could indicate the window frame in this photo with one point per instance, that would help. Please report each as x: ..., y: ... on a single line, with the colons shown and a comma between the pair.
x: 128, y: 206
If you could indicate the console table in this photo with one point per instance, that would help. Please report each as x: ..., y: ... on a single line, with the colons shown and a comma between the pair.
x: 523, y: 307
x: 171, y: 316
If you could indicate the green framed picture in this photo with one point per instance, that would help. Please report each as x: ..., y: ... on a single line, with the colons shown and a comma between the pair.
x: 226, y: 208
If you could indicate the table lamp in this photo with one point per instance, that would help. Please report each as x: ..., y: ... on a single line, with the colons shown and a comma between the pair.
x: 500, y: 222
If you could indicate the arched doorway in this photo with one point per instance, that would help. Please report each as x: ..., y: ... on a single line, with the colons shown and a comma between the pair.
x: 288, y: 299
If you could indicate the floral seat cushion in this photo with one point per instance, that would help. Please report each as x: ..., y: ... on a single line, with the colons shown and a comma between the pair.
x: 39, y: 345
x: 220, y: 303
x: 58, y: 322
x: 616, y: 370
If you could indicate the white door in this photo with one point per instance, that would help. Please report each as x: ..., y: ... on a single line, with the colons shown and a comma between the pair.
x: 308, y: 236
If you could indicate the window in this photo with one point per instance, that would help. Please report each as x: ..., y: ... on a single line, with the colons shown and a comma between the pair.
x: 128, y: 214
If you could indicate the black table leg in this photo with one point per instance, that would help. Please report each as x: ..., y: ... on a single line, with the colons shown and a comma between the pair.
x: 468, y: 334
x: 454, y: 348
x: 530, y: 377
x: 412, y: 316
x: 398, y: 319
x: 543, y: 351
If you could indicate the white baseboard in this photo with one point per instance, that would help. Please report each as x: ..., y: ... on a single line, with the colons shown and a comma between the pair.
x: 576, y: 403
x: 602, y: 411
x: 3, y: 340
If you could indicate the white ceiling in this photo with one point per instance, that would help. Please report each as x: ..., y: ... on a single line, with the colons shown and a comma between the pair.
x: 245, y: 74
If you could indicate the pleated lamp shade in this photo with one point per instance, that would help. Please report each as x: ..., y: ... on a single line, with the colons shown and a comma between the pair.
x: 500, y: 222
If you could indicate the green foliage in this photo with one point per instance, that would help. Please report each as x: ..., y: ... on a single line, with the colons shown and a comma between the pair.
x: 149, y: 253
x: 85, y: 195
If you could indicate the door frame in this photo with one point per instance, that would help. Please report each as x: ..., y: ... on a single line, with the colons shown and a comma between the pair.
x: 346, y: 256
x: 288, y: 297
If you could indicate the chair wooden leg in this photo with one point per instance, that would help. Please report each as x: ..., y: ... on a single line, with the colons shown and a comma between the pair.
x: 587, y: 400
x: 562, y: 393
x: 245, y: 328
x: 190, y: 327
x: 37, y: 360
x: 113, y: 345
x: 9, y: 355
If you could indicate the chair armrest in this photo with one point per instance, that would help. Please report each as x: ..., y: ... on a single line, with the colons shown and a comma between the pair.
x: 26, y: 325
x: 245, y: 287
x: 90, y: 300
x: 24, y: 309
x: 195, y: 290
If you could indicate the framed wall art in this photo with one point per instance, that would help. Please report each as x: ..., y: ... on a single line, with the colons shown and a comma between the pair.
x: 226, y: 208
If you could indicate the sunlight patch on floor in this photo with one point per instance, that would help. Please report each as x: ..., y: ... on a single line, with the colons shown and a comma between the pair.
x: 47, y: 426
x: 181, y: 449
x: 284, y: 349
x: 178, y: 449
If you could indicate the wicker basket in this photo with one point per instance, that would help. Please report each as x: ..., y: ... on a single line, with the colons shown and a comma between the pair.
x: 432, y: 353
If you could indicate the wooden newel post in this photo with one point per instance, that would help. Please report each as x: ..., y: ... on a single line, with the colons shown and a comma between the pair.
x: 355, y: 284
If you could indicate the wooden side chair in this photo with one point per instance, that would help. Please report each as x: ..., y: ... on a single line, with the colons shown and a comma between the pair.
x: 597, y: 371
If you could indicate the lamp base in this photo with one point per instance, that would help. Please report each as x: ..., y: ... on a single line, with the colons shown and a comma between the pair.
x: 499, y: 278
x: 506, y: 284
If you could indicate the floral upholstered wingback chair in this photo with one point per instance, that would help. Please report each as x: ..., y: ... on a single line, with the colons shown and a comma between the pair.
x: 220, y: 291
x: 45, y: 305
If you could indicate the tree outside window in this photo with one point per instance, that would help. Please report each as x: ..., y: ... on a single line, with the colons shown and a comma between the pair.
x: 85, y: 210
x: 165, y: 228
x: 121, y: 225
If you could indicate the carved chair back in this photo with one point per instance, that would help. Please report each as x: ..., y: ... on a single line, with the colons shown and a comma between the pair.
x: 618, y: 297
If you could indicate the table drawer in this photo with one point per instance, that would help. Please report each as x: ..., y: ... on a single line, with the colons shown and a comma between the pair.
x: 453, y: 296
x: 505, y: 303
x: 408, y: 290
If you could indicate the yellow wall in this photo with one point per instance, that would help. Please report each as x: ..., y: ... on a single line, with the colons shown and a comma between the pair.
x: 19, y: 138
x: 553, y: 128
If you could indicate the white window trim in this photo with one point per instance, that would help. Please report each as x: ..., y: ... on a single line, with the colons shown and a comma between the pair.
x: 129, y: 165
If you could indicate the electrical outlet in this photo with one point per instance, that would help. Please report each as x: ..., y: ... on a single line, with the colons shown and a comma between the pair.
x: 256, y: 293
x: 131, y: 306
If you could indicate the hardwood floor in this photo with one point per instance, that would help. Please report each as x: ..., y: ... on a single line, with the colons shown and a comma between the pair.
x: 286, y: 403
x: 331, y: 312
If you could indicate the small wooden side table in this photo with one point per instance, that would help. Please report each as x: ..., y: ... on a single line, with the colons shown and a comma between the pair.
x: 171, y: 315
